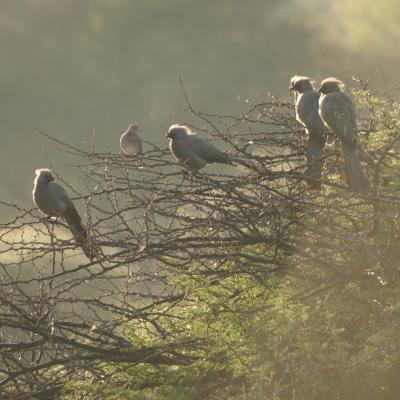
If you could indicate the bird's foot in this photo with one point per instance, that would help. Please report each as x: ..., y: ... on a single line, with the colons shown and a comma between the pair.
x: 48, y: 219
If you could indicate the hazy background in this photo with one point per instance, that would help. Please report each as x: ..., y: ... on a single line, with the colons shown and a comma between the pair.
x: 68, y: 66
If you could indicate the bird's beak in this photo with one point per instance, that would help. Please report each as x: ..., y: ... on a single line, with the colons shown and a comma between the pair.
x: 168, y: 135
x: 319, y: 90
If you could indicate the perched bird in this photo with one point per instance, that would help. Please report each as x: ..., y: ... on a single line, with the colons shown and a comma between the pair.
x: 130, y: 142
x: 338, y: 112
x: 195, y: 152
x: 52, y: 200
x: 307, y: 114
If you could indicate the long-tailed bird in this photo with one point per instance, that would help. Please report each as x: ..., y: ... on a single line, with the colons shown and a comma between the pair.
x: 195, y: 152
x: 338, y: 111
x: 52, y: 200
x: 307, y: 114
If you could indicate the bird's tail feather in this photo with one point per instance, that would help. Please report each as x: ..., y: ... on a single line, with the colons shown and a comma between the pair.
x: 81, y: 235
x: 315, y: 163
x: 353, y: 174
x: 242, y: 161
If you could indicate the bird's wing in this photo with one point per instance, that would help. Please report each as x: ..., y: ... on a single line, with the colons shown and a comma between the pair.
x: 339, y: 113
x: 307, y: 112
x: 73, y: 220
x: 69, y: 210
x: 204, y: 149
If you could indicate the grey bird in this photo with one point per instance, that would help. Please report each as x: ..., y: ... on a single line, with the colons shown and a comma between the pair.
x: 130, y: 142
x: 52, y: 200
x: 307, y: 106
x: 338, y: 111
x: 195, y: 152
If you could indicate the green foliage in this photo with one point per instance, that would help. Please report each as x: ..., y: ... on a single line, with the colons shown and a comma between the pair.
x: 321, y: 322
x: 327, y: 326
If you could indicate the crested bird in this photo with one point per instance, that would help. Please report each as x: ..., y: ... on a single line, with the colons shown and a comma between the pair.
x: 338, y: 111
x: 306, y: 106
x: 53, y: 201
x: 195, y: 152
